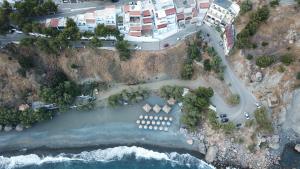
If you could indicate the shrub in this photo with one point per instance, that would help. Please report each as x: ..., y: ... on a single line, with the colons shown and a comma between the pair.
x: 246, y: 6
x: 187, y: 71
x: 274, y: 3
x: 207, y: 65
x: 74, y: 66
x: 298, y: 76
x: 234, y: 99
x: 281, y: 69
x: 251, y: 148
x: 123, y: 48
x: 265, y: 61
x: 287, y: 59
x: 264, y: 44
x: 171, y: 92
x: 264, y: 123
x: 249, y: 57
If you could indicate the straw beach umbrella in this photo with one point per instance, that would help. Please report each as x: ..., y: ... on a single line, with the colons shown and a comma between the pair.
x: 170, y: 119
x: 157, y: 108
x: 150, y: 117
x: 147, y: 108
x: 161, y: 118
x: 138, y: 122
x: 143, y: 122
x: 150, y: 127
x: 140, y: 126
x: 166, y: 109
x: 155, y: 127
x: 165, y: 118
x: 171, y: 101
x: 146, y: 117
x: 141, y: 117
x: 155, y: 118
x: 148, y: 122
x: 166, y: 128
x: 168, y: 123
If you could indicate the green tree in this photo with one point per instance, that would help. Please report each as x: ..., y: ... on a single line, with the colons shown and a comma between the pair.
x: 265, y: 61
x: 274, y: 3
x: 187, y: 71
x: 207, y: 65
x: 263, y: 121
x: 298, y: 76
x: 95, y: 42
x: 246, y: 6
x: 123, y: 48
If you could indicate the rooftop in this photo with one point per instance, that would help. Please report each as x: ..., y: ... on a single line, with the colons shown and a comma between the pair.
x: 223, y: 3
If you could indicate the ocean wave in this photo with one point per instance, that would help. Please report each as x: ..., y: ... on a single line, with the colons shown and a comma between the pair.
x: 102, y: 155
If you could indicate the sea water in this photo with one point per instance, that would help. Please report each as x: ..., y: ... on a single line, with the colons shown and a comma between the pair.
x: 122, y: 157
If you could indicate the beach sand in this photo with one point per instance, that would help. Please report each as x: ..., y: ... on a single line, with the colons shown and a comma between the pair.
x: 101, y: 126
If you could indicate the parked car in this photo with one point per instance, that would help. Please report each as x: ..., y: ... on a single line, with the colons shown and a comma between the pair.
x: 238, y: 125
x: 247, y: 115
x: 223, y: 115
x: 166, y: 45
x: 224, y: 120
x: 258, y: 105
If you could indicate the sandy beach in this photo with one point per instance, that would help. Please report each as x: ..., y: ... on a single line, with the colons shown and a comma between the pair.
x: 101, y: 126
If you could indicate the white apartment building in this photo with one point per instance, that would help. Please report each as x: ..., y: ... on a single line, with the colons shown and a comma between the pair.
x: 222, y: 13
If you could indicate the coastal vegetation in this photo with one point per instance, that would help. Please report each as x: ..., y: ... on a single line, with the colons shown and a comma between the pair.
x: 263, y: 121
x: 193, y: 53
x: 128, y: 97
x: 28, y: 117
x: 287, y: 59
x: 256, y: 19
x: 174, y: 92
x: 265, y: 61
x: 195, y: 104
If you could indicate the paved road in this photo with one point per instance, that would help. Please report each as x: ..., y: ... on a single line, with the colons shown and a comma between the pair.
x: 248, y: 100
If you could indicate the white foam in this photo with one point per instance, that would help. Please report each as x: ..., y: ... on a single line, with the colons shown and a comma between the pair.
x: 105, y: 155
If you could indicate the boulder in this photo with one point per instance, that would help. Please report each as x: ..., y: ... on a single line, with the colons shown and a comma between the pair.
x: 190, y: 141
x: 274, y: 146
x: 7, y: 128
x: 202, y: 147
x: 19, y: 127
x: 297, y: 148
x: 211, y: 154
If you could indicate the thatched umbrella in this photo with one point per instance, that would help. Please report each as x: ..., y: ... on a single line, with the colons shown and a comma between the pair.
x: 165, y: 118
x: 168, y: 123
x: 166, y: 128
x: 155, y: 127
x: 140, y: 126
x: 146, y: 117
x: 138, y: 122
x: 155, y: 118
x: 163, y: 123
x: 150, y: 127
x: 147, y: 108
x: 141, y: 116
x: 157, y: 108
x: 170, y: 119
x: 150, y: 117
x: 161, y: 118
x: 171, y: 101
x: 148, y: 122
x: 166, y: 108
x: 145, y: 127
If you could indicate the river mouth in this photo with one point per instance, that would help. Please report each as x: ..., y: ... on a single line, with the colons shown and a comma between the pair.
x: 290, y: 158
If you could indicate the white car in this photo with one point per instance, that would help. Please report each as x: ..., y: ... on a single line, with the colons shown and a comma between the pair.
x: 247, y: 115
x: 258, y: 105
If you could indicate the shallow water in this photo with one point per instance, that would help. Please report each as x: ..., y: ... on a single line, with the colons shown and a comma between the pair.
x: 121, y: 157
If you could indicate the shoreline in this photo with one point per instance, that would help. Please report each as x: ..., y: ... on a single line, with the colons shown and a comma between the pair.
x: 48, y: 151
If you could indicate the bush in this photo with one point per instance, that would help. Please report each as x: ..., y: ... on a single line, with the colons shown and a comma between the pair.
x: 298, y: 76
x: 207, y: 65
x: 287, y: 59
x: 187, y: 71
x: 123, y: 48
x: 264, y: 44
x: 265, y: 61
x: 132, y: 96
x: 234, y: 99
x: 74, y: 66
x: 274, y: 3
x: 246, y: 6
x: 249, y: 57
x: 281, y: 69
x: 26, y: 62
x: 264, y: 123
x: 168, y: 92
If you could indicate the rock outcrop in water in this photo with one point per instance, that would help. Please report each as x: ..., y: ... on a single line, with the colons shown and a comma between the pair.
x: 297, y: 148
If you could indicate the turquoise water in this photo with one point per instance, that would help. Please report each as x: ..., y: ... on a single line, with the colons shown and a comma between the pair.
x: 121, y: 157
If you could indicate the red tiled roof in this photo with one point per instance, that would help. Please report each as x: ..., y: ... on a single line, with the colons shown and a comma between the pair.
x: 147, y: 20
x: 229, y: 32
x: 135, y: 28
x: 135, y: 13
x: 126, y: 8
x: 170, y: 11
x: 204, y: 5
x: 146, y: 13
x: 147, y: 27
x: 135, y: 33
x: 180, y: 16
x: 161, y: 26
x: 54, y: 22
